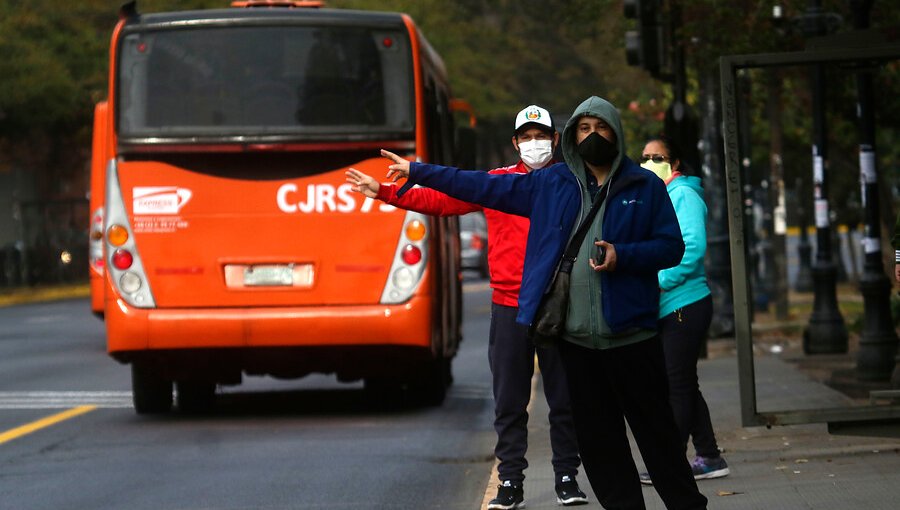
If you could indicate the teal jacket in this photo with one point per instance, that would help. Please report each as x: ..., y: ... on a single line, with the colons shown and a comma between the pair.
x: 686, y: 283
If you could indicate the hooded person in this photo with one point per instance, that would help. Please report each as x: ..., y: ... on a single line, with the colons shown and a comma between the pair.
x: 511, y: 354
x: 610, y: 348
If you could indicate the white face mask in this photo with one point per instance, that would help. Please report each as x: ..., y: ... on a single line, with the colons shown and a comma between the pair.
x: 662, y: 170
x: 536, y: 153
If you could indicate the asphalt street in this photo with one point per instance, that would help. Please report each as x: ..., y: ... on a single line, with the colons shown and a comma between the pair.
x: 268, y: 444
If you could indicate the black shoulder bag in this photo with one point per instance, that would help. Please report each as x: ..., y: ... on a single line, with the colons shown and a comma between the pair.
x: 550, y: 320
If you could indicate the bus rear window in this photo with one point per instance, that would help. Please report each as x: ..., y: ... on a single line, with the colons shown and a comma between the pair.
x: 237, y: 81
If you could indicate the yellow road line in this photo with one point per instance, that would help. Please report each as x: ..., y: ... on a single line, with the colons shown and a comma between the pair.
x: 28, y: 428
x: 24, y: 295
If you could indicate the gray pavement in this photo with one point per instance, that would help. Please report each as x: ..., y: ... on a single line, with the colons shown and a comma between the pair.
x: 785, y: 468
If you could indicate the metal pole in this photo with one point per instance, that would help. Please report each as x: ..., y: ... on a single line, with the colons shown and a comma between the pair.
x: 878, y: 342
x: 778, y: 224
x: 717, y: 240
x: 826, y: 332
x: 757, y: 294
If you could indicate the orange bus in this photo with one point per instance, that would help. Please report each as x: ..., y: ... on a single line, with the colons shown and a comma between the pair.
x: 224, y: 238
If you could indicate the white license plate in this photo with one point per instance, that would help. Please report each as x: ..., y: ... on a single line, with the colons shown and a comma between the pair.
x: 269, y: 276
x: 239, y: 276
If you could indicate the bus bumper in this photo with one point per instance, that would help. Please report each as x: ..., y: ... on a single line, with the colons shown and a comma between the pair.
x: 134, y: 329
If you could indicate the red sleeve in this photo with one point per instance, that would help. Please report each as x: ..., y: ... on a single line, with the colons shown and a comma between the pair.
x: 425, y: 201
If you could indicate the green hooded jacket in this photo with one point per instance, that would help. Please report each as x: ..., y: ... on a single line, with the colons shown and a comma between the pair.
x: 637, y: 218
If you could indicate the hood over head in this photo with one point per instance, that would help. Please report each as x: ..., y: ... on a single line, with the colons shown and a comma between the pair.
x: 595, y: 107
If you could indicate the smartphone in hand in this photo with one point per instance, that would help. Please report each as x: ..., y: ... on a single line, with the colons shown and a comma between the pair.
x: 599, y: 253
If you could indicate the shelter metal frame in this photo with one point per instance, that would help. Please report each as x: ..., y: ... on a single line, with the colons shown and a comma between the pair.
x: 870, y: 418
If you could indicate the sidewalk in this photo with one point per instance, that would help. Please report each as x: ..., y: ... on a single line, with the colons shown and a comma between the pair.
x: 783, y: 468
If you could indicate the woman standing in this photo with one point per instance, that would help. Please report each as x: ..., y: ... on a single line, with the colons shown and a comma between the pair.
x: 685, y: 310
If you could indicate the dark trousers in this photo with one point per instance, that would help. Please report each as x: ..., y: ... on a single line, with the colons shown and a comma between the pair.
x: 683, y: 332
x: 511, y: 357
x: 607, y: 388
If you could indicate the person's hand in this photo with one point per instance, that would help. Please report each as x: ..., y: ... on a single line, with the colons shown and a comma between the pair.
x: 609, y: 263
x: 362, y: 183
x: 897, y: 273
x: 400, y: 168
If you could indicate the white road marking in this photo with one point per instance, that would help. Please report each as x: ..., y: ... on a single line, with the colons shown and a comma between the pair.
x: 64, y: 399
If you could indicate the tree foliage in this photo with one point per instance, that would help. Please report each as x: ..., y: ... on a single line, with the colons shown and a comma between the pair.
x: 503, y: 55
x: 713, y: 28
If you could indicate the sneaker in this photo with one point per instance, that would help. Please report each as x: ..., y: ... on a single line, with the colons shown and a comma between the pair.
x: 568, y: 493
x: 645, y: 479
x: 709, y: 467
x: 509, y: 496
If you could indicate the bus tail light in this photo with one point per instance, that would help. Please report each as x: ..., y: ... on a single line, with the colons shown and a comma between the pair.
x: 126, y: 272
x: 95, y: 242
x: 122, y: 259
x: 410, y: 260
x: 411, y: 255
x: 415, y: 230
x: 130, y: 282
x: 117, y: 235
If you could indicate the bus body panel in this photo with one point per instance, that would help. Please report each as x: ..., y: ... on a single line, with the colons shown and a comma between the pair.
x: 191, y: 228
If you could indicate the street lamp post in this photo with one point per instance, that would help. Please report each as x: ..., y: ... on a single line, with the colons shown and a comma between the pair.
x: 757, y: 294
x: 878, y: 342
x: 804, y: 249
x: 826, y: 332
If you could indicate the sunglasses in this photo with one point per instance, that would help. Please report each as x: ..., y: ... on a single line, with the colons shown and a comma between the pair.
x: 656, y: 158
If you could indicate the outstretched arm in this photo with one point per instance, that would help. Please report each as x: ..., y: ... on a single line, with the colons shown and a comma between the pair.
x: 423, y: 200
x: 509, y: 193
x: 399, y: 169
x: 362, y: 183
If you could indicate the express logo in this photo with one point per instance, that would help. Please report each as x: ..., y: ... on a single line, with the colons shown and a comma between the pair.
x: 533, y: 114
x: 160, y: 199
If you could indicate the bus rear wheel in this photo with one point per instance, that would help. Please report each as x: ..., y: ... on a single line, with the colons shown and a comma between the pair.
x: 151, y: 393
x: 384, y: 393
x: 430, y: 388
x: 195, y: 396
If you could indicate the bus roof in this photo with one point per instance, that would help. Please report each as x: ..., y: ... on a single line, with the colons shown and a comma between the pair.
x: 243, y: 15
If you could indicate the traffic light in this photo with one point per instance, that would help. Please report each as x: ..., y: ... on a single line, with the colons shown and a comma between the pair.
x: 647, y: 47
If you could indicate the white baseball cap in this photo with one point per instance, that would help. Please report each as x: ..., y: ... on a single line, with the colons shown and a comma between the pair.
x: 534, y: 114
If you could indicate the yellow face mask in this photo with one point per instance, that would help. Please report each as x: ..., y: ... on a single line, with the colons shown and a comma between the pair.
x: 662, y: 170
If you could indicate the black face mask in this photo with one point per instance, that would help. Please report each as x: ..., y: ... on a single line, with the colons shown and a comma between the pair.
x: 597, y: 150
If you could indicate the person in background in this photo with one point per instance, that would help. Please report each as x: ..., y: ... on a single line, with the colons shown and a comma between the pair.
x: 685, y: 310
x: 611, y: 349
x: 510, y: 352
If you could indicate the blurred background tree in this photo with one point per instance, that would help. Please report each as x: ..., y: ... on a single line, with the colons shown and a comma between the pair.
x: 501, y: 55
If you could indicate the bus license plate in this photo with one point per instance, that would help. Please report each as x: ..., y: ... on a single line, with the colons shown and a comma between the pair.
x: 272, y: 275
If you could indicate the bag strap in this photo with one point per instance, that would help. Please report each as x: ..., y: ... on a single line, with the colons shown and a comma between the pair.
x: 568, y: 259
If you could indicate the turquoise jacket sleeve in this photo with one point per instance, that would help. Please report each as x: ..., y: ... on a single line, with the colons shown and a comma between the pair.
x: 691, y: 212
